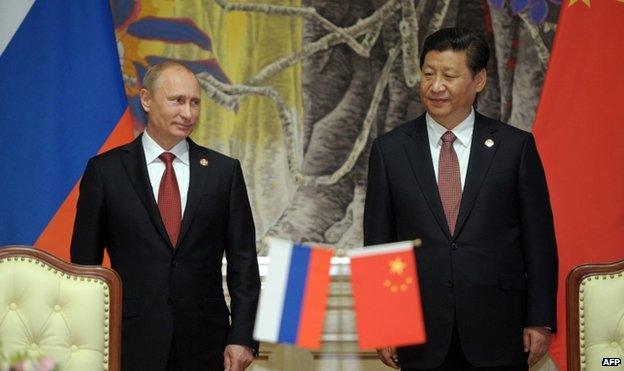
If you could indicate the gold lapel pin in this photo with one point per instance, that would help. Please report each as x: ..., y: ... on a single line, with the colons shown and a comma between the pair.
x: 489, y: 142
x: 203, y: 162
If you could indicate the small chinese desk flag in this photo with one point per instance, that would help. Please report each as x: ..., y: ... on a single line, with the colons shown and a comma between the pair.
x: 292, y: 304
x: 386, y: 295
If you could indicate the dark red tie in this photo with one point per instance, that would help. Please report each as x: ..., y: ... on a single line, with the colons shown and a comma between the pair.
x: 169, y: 199
x: 449, y: 182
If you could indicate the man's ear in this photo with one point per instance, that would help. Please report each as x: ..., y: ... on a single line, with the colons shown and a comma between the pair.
x: 481, y: 78
x: 146, y: 99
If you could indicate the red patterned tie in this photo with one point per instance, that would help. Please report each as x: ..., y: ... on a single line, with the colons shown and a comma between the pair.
x: 169, y: 199
x: 449, y: 182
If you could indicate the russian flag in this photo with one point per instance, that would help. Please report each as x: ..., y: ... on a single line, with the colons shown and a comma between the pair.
x: 292, y: 304
x: 62, y: 100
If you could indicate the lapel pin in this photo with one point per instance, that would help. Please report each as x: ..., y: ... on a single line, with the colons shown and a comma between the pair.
x: 489, y: 143
x: 203, y: 162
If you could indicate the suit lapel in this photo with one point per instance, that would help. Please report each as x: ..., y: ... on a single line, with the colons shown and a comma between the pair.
x: 480, y: 159
x: 136, y: 169
x: 419, y: 155
x: 199, y: 175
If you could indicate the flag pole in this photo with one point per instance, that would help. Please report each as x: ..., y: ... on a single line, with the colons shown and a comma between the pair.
x: 339, y: 252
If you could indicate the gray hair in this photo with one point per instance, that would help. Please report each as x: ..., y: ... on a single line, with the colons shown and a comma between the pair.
x: 151, y: 76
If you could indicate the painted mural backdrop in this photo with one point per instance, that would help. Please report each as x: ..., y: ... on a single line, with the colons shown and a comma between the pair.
x: 297, y: 89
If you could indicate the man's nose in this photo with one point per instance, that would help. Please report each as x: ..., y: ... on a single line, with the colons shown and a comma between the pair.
x: 437, y: 84
x: 185, y: 112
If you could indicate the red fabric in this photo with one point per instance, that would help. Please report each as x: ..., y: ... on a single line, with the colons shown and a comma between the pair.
x: 387, y: 300
x: 315, y: 299
x: 579, y: 130
x: 169, y: 202
x: 56, y: 237
x: 449, y: 181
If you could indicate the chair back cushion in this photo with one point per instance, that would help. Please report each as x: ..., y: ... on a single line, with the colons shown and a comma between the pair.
x: 46, y: 311
x: 596, y: 316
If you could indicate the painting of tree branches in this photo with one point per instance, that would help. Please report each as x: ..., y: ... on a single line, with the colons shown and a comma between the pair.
x: 298, y: 89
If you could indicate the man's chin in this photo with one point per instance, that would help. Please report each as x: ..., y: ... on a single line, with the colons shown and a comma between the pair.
x: 438, y: 106
x: 183, y: 132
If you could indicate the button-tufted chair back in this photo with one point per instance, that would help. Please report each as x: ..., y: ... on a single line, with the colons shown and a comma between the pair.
x: 69, y: 312
x: 595, y: 311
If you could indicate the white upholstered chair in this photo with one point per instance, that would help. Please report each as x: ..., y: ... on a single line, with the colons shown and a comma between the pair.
x: 69, y: 312
x: 595, y: 311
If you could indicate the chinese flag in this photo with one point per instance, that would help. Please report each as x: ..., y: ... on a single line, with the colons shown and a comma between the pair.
x: 387, y: 296
x: 579, y: 130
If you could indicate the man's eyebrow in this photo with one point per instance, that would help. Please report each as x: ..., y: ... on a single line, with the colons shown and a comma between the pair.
x: 179, y: 96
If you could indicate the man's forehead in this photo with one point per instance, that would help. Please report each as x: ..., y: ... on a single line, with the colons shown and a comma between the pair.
x: 179, y: 78
x: 446, y: 58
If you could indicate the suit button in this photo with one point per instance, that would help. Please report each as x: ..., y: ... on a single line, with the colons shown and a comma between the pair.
x: 170, y: 301
x: 449, y: 283
x: 454, y: 246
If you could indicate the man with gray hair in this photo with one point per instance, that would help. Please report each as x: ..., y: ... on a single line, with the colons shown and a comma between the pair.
x: 167, y: 210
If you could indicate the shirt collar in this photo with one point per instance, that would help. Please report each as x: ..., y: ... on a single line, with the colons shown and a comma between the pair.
x: 463, y: 131
x: 153, y: 150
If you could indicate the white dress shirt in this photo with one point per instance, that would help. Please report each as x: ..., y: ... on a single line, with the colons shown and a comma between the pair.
x: 156, y: 167
x: 463, y: 132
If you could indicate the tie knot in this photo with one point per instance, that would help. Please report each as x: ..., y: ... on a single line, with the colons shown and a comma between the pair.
x: 167, y: 157
x: 448, y: 137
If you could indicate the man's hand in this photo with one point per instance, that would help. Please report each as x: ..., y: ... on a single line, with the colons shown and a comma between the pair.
x: 237, y: 357
x: 536, y: 343
x: 388, y: 356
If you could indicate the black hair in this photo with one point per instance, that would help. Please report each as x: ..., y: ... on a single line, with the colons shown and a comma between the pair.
x: 459, y: 39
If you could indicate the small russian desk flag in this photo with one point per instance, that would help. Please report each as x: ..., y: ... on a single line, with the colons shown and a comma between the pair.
x: 292, y: 304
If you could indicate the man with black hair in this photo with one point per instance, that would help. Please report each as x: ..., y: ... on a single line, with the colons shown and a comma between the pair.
x: 473, y: 189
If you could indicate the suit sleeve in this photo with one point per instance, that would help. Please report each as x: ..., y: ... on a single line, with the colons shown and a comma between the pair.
x: 87, y: 245
x: 379, y: 219
x: 243, y: 279
x: 538, y: 238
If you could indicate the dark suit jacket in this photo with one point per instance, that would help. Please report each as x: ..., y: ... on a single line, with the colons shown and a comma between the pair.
x: 498, y: 272
x: 168, y: 291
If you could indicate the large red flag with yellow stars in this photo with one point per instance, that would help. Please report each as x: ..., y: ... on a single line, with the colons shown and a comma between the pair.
x: 579, y: 130
x: 386, y: 296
